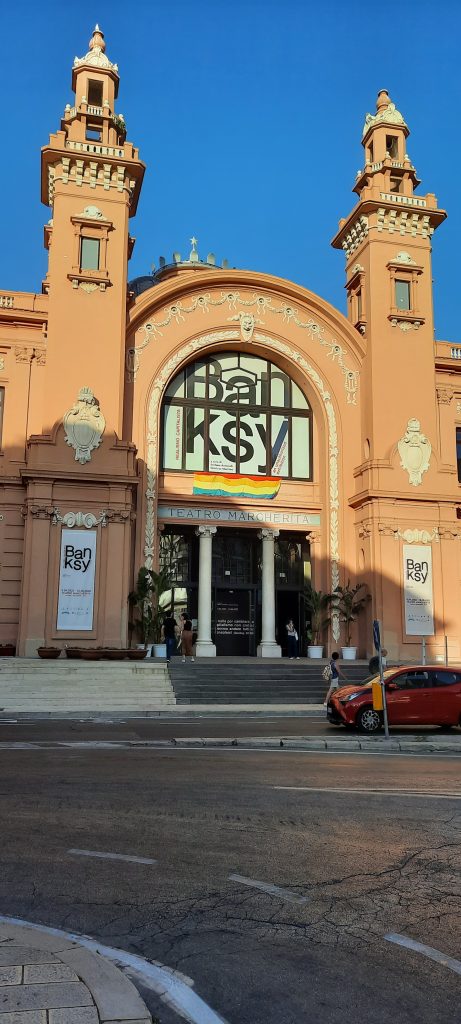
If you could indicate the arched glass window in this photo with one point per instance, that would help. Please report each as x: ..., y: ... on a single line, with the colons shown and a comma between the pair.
x: 236, y: 413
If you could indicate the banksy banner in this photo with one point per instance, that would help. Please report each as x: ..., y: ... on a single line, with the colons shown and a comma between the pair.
x: 417, y: 590
x: 76, y: 580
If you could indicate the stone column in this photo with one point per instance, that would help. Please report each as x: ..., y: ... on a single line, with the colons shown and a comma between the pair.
x: 268, y: 648
x: 204, y: 647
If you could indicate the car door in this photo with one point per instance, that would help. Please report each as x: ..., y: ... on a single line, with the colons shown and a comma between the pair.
x: 446, y: 696
x: 410, y: 702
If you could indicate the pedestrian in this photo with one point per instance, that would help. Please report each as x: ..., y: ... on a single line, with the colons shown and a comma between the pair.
x: 292, y: 641
x: 373, y: 664
x: 186, y: 637
x: 169, y: 630
x: 334, y: 675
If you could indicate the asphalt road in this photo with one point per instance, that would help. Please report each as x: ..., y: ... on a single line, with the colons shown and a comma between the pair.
x: 176, y: 728
x: 382, y: 855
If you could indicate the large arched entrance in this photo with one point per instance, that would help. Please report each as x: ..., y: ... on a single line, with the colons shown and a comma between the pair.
x: 235, y: 426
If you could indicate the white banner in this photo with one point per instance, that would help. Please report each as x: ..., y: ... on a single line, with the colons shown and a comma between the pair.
x: 76, y: 580
x: 417, y: 590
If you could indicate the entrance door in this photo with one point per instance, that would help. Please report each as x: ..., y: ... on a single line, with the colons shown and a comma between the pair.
x: 234, y: 626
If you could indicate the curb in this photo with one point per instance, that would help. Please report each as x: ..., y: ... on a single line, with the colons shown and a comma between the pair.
x: 115, y: 997
x: 412, y: 745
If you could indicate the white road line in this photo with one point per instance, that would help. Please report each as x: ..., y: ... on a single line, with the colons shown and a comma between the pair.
x: 429, y: 951
x: 273, y: 890
x: 413, y: 793
x: 170, y: 985
x: 112, y: 856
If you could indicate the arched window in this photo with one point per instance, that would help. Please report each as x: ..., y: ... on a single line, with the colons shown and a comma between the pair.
x: 236, y: 413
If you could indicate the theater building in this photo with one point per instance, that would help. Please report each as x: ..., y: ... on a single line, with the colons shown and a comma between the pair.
x: 228, y: 425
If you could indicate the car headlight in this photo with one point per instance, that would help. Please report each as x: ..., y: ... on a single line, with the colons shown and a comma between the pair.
x: 350, y: 696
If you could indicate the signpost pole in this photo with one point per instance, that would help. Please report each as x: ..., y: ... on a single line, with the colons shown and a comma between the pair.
x: 424, y: 650
x: 377, y: 643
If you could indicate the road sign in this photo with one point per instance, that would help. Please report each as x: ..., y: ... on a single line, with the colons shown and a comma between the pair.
x: 376, y: 635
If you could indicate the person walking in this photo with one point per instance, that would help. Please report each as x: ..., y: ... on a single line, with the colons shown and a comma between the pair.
x: 335, y: 674
x: 169, y: 630
x: 186, y: 637
x: 292, y: 641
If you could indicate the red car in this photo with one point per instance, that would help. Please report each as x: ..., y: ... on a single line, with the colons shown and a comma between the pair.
x: 420, y: 695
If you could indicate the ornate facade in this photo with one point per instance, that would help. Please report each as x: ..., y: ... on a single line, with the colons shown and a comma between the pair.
x: 228, y: 425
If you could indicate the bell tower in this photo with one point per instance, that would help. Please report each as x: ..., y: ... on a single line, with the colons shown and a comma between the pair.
x: 91, y: 178
x: 387, y: 243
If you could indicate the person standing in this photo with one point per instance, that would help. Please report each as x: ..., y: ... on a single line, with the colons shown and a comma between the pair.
x: 169, y: 634
x: 186, y: 637
x: 292, y: 641
x: 336, y: 674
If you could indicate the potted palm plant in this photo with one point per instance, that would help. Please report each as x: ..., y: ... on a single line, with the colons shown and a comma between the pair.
x: 349, y: 605
x: 146, y: 600
x: 317, y: 603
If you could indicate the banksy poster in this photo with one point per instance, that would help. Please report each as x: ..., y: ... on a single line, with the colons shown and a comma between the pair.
x: 417, y: 590
x: 76, y: 580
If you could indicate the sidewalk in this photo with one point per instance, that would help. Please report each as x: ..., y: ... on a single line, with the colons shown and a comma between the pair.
x: 46, y: 979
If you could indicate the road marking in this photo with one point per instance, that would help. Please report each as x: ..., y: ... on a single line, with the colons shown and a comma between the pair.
x: 429, y: 951
x: 112, y: 856
x: 173, y: 988
x: 373, y: 792
x: 273, y: 890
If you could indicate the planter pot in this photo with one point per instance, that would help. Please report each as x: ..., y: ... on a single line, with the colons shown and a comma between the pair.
x: 348, y: 653
x: 315, y: 651
x: 73, y: 652
x: 48, y: 652
x: 91, y: 655
x: 135, y: 654
x: 147, y: 649
x: 159, y: 651
x: 7, y: 650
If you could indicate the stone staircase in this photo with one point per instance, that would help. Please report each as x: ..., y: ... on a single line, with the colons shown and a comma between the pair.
x: 68, y: 686
x: 254, y: 680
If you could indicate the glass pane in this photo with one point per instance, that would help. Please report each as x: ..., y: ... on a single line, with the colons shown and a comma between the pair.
x: 196, y: 380
x: 300, y: 447
x: 253, y: 442
x: 176, y: 388
x: 298, y: 400
x: 89, y: 254
x: 280, y: 388
x: 279, y: 446
x: 222, y: 363
x: 402, y: 294
x: 222, y: 441
x: 172, y: 437
x: 195, y: 438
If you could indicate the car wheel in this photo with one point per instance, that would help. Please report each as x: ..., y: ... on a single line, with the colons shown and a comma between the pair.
x: 445, y: 728
x: 369, y: 720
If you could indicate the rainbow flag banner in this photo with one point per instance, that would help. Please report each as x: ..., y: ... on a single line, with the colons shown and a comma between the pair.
x: 236, y: 486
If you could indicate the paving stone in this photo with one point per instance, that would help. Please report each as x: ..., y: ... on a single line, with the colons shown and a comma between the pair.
x: 28, y: 1017
x: 45, y: 973
x: 11, y: 955
x: 115, y: 996
x: 82, y: 1015
x: 43, y: 997
x: 10, y: 975
x: 35, y: 938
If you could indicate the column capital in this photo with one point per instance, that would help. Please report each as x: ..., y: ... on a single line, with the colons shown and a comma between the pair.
x: 206, y: 531
x: 268, y: 534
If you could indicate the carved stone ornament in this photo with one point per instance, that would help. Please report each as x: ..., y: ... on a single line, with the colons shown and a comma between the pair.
x: 415, y: 452
x: 444, y: 396
x: 84, y: 425
x: 86, y: 519
x: 404, y: 257
x: 247, y: 323
x: 389, y: 115
x: 91, y: 213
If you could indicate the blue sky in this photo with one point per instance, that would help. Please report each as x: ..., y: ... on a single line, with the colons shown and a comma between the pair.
x: 248, y: 114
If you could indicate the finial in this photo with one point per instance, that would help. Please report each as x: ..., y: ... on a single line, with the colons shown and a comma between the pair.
x: 383, y: 99
x: 193, y: 255
x: 97, y: 39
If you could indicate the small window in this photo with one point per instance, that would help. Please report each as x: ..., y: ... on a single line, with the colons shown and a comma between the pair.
x: 444, y: 678
x: 359, y: 304
x: 370, y: 153
x: 89, y: 254
x: 93, y: 134
x: 392, y: 146
x: 458, y: 452
x: 396, y: 185
x: 95, y: 93
x: 402, y: 295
